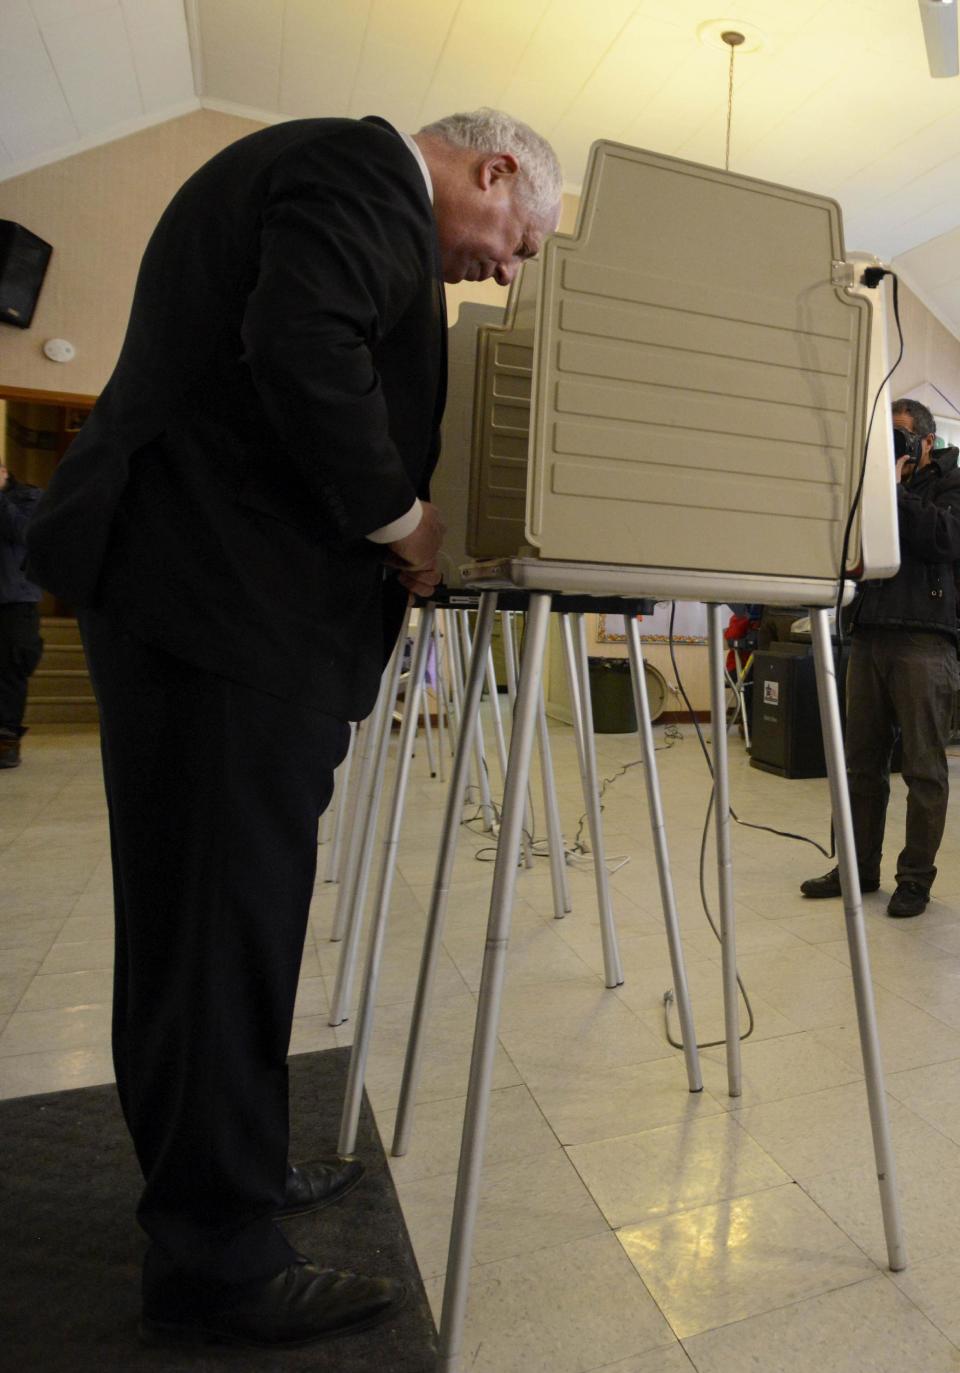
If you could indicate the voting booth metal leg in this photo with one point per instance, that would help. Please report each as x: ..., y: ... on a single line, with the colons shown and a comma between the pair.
x: 721, y: 821
x: 575, y: 646
x: 857, y: 939
x: 510, y: 662
x: 659, y: 833
x: 343, y: 799
x: 491, y: 990
x: 442, y: 879
x: 439, y: 696
x: 457, y: 677
x: 424, y: 701
x: 494, y: 694
x: 452, y: 643
x: 360, y: 1049
x: 562, y: 905
x: 486, y: 800
x: 368, y: 733
x: 380, y: 737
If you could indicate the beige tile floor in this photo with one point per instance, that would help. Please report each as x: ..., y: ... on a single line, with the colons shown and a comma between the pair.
x: 626, y: 1225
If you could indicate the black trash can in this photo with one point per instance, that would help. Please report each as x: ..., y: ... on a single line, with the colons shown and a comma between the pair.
x: 612, y: 693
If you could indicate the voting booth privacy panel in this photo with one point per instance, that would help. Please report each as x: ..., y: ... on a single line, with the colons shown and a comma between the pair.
x: 686, y: 382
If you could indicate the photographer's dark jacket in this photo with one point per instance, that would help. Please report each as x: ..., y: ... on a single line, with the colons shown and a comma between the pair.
x: 277, y: 398
x: 923, y: 594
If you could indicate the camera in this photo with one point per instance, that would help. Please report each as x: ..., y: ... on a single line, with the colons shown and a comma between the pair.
x: 905, y: 444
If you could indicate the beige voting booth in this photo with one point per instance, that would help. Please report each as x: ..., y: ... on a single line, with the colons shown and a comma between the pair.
x: 683, y: 400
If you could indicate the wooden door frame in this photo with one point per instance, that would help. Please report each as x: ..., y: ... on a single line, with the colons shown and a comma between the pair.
x: 45, y: 397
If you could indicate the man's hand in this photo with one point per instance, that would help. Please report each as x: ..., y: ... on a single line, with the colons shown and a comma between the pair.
x: 4, y: 477
x: 904, y: 463
x: 418, y: 551
x: 421, y: 582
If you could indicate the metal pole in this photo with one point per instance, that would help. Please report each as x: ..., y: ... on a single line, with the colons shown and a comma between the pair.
x: 491, y: 990
x: 658, y: 830
x: 486, y: 801
x: 575, y: 640
x: 425, y: 701
x: 721, y: 820
x: 369, y: 731
x: 346, y: 966
x: 558, y: 857
x: 439, y: 695
x: 510, y: 662
x: 344, y: 804
x: 363, y: 1034
x: 442, y: 881
x: 857, y: 939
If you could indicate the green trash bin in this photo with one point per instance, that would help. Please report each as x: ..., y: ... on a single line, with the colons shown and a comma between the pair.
x: 612, y: 693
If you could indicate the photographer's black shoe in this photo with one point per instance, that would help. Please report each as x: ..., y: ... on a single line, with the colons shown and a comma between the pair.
x: 298, y: 1306
x: 829, y: 885
x: 910, y: 898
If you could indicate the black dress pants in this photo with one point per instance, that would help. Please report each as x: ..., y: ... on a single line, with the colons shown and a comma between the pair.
x: 21, y: 649
x: 214, y: 790
x: 899, y: 678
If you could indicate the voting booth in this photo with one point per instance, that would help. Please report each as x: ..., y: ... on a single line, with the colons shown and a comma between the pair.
x: 684, y: 399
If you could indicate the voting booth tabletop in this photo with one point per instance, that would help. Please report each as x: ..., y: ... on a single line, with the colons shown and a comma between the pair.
x: 70, y: 1248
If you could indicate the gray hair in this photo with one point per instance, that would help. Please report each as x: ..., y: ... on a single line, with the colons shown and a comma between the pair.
x: 492, y: 131
x: 923, y: 421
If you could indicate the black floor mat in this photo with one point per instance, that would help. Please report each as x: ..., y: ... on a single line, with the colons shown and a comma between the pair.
x: 70, y: 1249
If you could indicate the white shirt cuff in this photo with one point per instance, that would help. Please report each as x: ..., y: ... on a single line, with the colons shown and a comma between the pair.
x: 398, y: 529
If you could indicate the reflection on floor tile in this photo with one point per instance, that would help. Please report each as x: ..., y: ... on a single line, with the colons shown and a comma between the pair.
x: 717, y: 1264
x: 673, y: 1168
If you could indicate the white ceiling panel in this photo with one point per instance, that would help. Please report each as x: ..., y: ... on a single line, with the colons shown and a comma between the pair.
x: 157, y: 31
x: 94, y: 64
x: 34, y: 114
x: 560, y: 57
x: 484, y: 46
x: 57, y: 11
x: 242, y: 41
x: 627, y: 80
x: 402, y: 46
x: 322, y: 47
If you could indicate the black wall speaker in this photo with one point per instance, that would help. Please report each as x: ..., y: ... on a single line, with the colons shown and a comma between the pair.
x: 23, y: 265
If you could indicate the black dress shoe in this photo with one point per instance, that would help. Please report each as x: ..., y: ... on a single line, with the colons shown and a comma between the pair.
x: 319, y: 1183
x: 910, y: 898
x: 829, y: 885
x: 301, y: 1304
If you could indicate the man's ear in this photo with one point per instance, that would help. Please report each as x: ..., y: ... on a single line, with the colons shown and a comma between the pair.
x: 495, y: 167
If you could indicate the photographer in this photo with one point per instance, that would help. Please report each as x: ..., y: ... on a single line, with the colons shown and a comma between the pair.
x: 903, y: 671
x: 20, y: 642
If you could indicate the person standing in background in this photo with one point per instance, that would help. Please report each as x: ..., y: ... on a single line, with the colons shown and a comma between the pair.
x: 21, y: 647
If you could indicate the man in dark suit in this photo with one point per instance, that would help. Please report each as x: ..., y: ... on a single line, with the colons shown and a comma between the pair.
x: 239, y: 523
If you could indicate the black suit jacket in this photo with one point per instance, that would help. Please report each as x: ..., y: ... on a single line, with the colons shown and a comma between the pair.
x: 277, y: 397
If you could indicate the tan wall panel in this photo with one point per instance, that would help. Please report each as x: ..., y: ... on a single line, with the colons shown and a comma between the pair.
x: 98, y: 209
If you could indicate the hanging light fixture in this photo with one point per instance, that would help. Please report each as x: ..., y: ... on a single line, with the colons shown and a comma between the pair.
x: 939, y: 19
x: 733, y: 38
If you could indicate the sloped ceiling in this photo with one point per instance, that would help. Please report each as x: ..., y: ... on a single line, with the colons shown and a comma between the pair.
x: 836, y: 97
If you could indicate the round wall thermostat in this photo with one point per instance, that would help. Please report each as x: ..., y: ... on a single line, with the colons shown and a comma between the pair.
x: 59, y: 350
